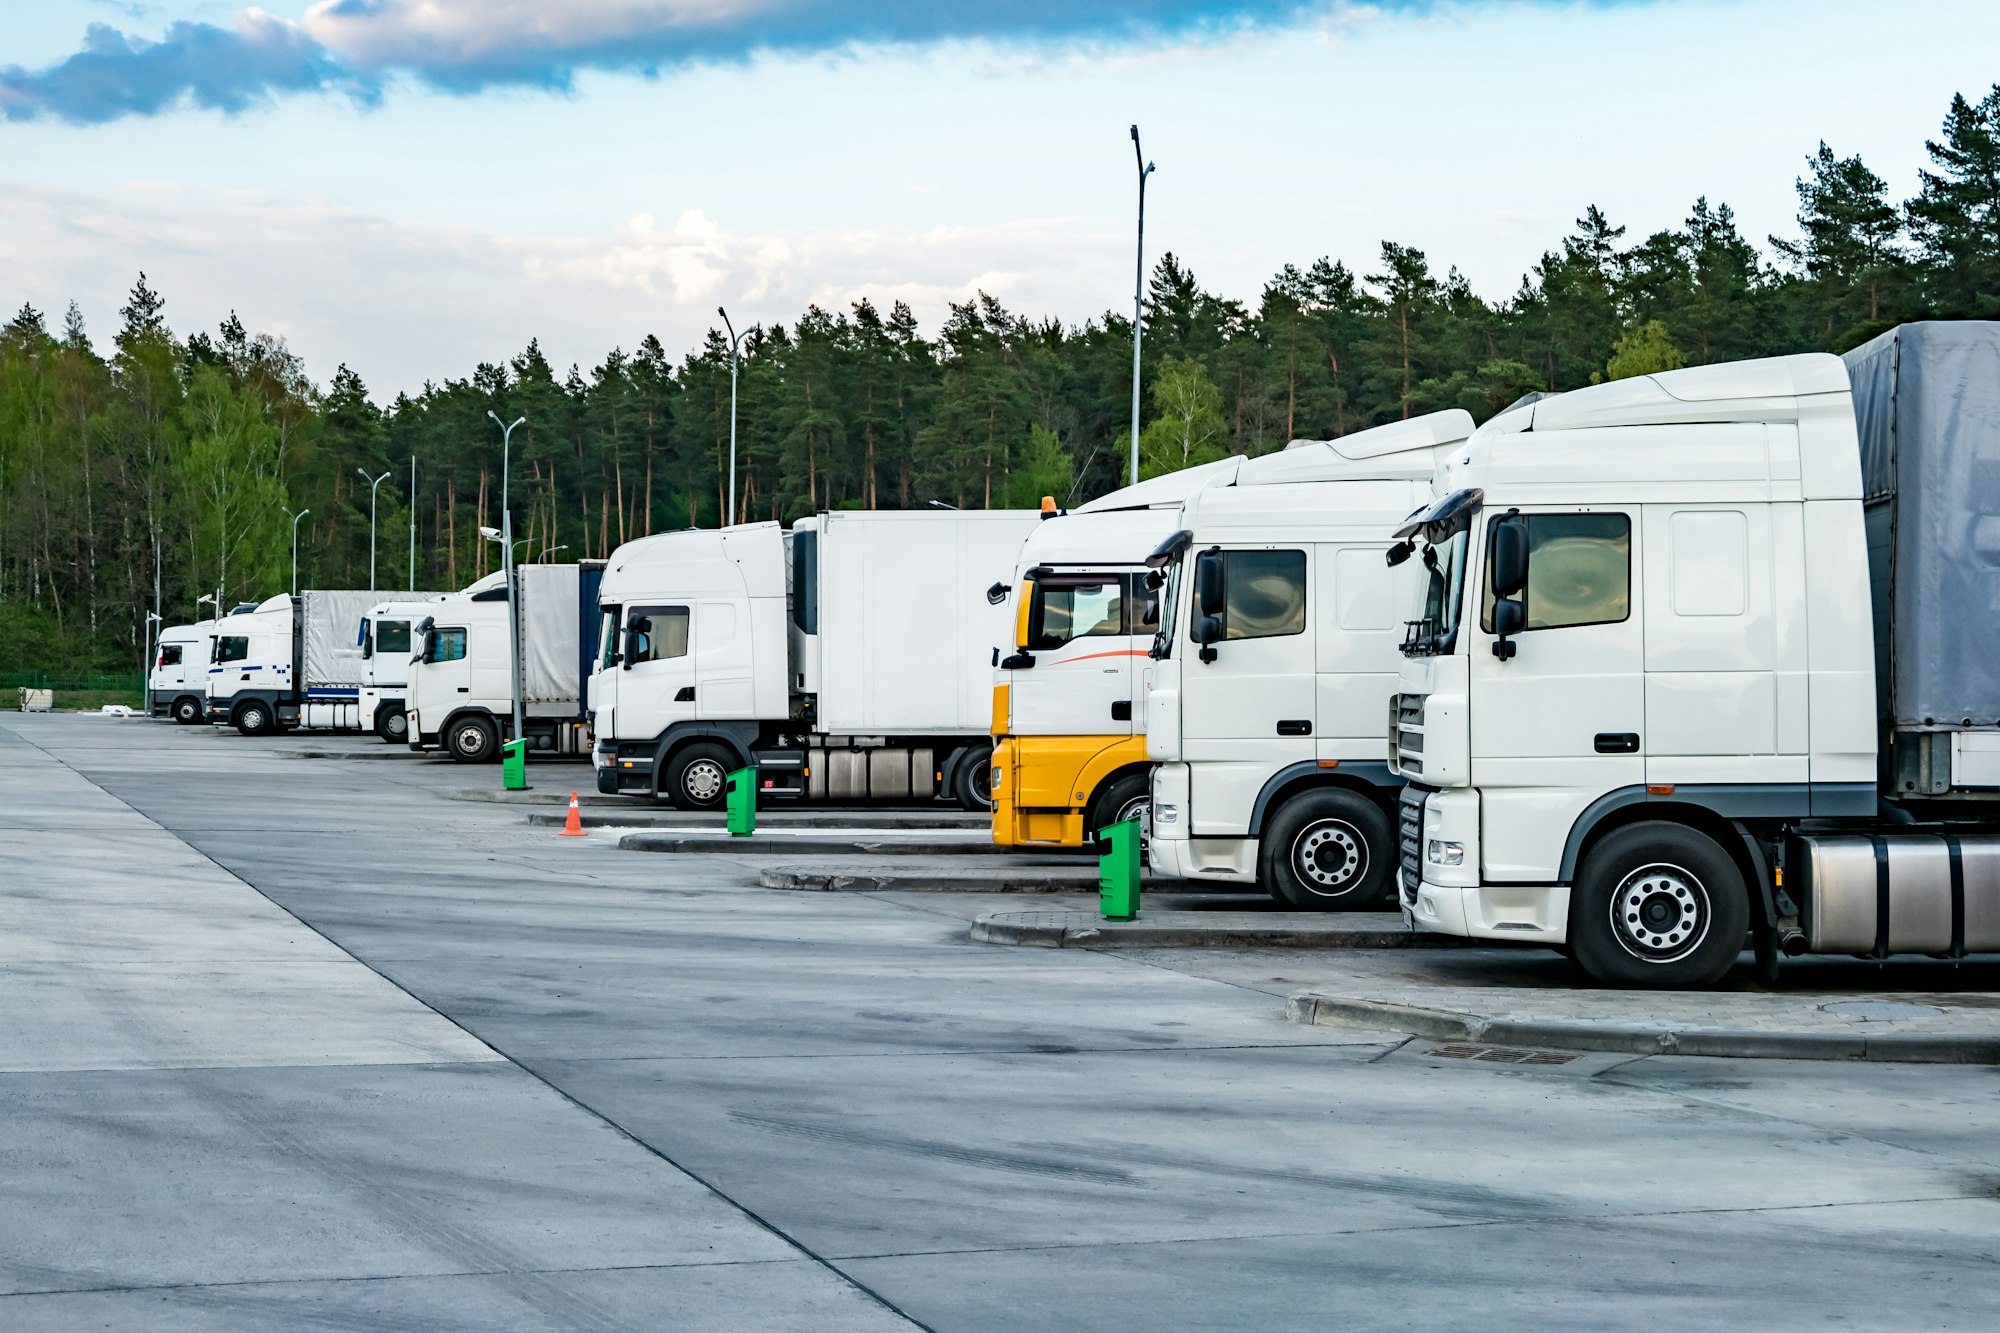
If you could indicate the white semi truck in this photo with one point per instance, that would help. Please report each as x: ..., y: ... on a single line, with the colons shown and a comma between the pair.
x: 1069, y: 744
x: 850, y: 659
x: 1707, y: 657
x: 1276, y: 656
x: 177, y: 685
x: 386, y: 648
x: 291, y: 662
x: 459, y: 696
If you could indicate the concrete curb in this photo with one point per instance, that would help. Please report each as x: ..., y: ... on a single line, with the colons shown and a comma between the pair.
x: 872, y: 843
x: 838, y: 881
x: 1638, y: 1038
x: 1080, y: 930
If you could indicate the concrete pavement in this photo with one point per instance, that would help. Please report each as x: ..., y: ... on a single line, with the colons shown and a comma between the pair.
x: 979, y: 1137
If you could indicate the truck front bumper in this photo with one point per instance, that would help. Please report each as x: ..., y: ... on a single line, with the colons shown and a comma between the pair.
x: 1522, y: 913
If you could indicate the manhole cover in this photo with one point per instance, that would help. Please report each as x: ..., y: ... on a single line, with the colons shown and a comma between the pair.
x: 1880, y: 1009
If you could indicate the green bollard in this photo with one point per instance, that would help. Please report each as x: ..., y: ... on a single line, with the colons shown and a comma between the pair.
x: 514, y: 765
x: 742, y: 802
x: 1118, y: 871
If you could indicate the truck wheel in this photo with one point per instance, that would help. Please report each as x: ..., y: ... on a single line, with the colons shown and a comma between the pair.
x: 472, y: 740
x: 187, y: 710
x: 972, y: 784
x: 1119, y: 801
x: 1658, y: 905
x: 392, y: 725
x: 697, y: 777
x: 1328, y: 851
x: 253, y: 719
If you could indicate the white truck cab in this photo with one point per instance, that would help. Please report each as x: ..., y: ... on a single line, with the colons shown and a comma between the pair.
x: 387, y: 644
x: 1276, y: 655
x: 1069, y: 746
x: 1638, y: 709
x: 178, y: 681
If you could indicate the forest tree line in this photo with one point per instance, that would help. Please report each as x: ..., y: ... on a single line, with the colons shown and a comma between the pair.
x: 168, y: 465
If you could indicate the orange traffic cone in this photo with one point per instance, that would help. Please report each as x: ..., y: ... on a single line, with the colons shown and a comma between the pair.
x: 574, y: 827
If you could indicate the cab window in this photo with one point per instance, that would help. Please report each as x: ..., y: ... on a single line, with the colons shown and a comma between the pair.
x: 1067, y: 607
x: 232, y: 647
x: 1145, y: 604
x: 1579, y: 571
x: 607, y: 637
x: 1264, y: 594
x: 446, y: 645
x: 170, y: 654
x: 657, y: 633
x: 392, y: 636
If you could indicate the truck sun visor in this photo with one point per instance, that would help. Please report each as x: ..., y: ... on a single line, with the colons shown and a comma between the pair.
x: 1448, y: 512
x: 1163, y: 554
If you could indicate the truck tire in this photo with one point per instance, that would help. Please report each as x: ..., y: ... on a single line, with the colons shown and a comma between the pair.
x: 1328, y: 850
x: 696, y: 777
x: 1658, y: 905
x: 972, y: 783
x: 392, y: 725
x: 187, y: 710
x: 1120, y: 800
x: 472, y: 740
x: 254, y: 719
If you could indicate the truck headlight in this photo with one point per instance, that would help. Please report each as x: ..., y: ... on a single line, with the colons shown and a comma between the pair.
x: 1443, y: 853
x: 1166, y: 814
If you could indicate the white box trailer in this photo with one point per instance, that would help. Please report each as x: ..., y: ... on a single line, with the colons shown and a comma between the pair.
x: 292, y: 662
x: 459, y: 695
x: 849, y: 659
x: 177, y: 683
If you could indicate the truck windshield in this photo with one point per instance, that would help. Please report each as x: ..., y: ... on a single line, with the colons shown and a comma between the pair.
x: 1163, y: 640
x: 1436, y: 626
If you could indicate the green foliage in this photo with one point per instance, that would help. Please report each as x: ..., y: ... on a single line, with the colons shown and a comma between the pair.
x: 1645, y: 350
x: 166, y: 462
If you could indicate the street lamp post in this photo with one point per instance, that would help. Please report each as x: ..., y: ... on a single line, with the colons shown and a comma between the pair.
x: 735, y: 342
x: 295, y: 548
x: 412, y: 585
x: 507, y: 549
x: 372, y: 484
x: 1138, y: 297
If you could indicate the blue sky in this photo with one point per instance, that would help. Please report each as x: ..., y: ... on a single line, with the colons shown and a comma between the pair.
x: 415, y: 185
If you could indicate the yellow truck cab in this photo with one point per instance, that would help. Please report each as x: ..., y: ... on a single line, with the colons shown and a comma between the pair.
x: 1069, y: 756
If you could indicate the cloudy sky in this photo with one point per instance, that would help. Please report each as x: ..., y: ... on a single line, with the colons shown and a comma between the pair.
x: 412, y: 186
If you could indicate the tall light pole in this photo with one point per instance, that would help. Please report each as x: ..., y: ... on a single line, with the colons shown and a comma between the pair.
x: 372, y: 484
x: 735, y: 342
x: 295, y: 548
x: 412, y: 584
x: 1138, y: 297
x: 507, y: 557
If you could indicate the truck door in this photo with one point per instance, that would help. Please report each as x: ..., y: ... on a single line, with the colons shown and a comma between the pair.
x: 657, y: 685
x: 1354, y: 606
x: 1080, y: 628
x: 1563, y: 720
x: 1247, y: 699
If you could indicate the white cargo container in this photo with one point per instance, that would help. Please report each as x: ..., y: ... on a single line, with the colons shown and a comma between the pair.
x: 292, y: 662
x: 849, y: 659
x: 459, y: 695
x: 177, y: 684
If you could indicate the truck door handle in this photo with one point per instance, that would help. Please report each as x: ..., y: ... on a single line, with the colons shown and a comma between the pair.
x: 685, y: 696
x: 1121, y: 711
x: 465, y: 689
x: 1617, y: 742
x: 1295, y: 726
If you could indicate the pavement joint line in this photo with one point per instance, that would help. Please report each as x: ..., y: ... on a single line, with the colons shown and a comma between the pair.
x: 748, y: 1212
x: 982, y: 1050
x: 383, y: 1277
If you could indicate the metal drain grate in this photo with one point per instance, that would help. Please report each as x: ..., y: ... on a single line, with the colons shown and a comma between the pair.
x: 1499, y: 1055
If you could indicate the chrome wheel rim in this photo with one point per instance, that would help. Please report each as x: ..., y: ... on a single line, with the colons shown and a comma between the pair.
x: 471, y: 740
x: 703, y: 780
x: 397, y: 725
x: 1661, y: 913
x: 1330, y: 857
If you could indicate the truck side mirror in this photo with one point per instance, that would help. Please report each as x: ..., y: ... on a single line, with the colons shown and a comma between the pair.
x: 1510, y: 617
x: 997, y: 594
x: 1206, y: 631
x: 1510, y: 555
x: 1208, y: 588
x: 1400, y: 552
x: 630, y: 647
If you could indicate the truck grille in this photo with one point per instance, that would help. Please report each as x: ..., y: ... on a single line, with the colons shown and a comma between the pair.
x: 1410, y: 841
x: 1406, y: 733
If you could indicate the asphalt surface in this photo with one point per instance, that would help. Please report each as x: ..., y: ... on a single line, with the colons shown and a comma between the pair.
x: 303, y: 1042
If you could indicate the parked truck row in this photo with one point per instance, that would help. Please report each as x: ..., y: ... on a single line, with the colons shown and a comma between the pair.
x: 1640, y: 672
